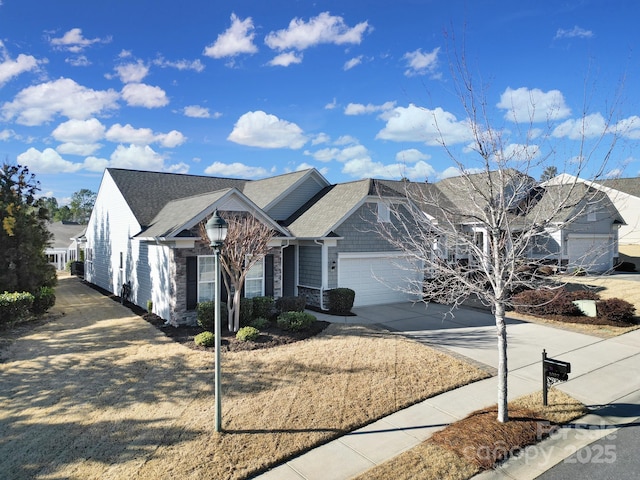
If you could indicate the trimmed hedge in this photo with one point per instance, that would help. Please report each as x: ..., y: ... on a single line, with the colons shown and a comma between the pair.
x: 15, y: 307
x: 551, y: 301
x: 248, y: 334
x: 291, y: 304
x: 295, y: 321
x: 43, y: 300
x: 263, y: 307
x: 206, y: 315
x: 341, y: 300
x: 205, y: 339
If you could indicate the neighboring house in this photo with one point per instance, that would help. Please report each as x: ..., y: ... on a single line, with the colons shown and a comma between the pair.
x: 625, y: 195
x: 144, y: 230
x: 581, y: 236
x: 66, y: 244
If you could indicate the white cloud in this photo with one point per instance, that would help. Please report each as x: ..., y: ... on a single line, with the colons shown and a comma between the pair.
x: 354, y: 62
x: 143, y: 136
x: 360, y: 109
x: 320, y: 138
x: 236, y: 169
x: 450, y: 172
x: 575, y: 32
x: 10, y: 68
x: 47, y: 161
x: 237, y: 39
x: 324, y: 28
x: 78, y: 61
x: 137, y: 157
x: 411, y: 155
x: 419, y: 63
x: 82, y: 149
x: 590, y: 126
x: 171, y: 140
x: 142, y: 95
x: 628, y: 127
x: 332, y: 105
x: 306, y: 166
x: 132, y: 72
x: 40, y: 103
x: 177, y: 168
x: 519, y: 152
x: 79, y: 131
x: 7, y: 134
x: 95, y: 164
x: 74, y: 41
x: 196, y: 111
x: 195, y: 65
x: 259, y: 129
x: 285, y: 59
x: 365, y: 167
x: 525, y: 105
x: 433, y: 127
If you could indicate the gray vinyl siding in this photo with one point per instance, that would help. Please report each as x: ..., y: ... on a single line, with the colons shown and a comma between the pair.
x: 295, y: 199
x: 359, y: 232
x: 309, y: 267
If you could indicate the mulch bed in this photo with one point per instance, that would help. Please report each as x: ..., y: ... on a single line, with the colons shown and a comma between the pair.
x: 270, y: 337
x: 584, y: 320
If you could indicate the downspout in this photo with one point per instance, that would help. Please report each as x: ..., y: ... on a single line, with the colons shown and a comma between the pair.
x: 282, y: 247
x: 325, y: 274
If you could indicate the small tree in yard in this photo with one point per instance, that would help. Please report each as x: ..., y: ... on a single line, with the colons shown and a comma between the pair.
x: 469, y: 235
x: 246, y: 244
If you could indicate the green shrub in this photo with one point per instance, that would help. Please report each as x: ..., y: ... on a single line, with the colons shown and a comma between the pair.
x: 205, y: 339
x: 260, y: 323
x: 341, y: 300
x: 206, y: 315
x: 246, y: 311
x: 43, y: 300
x: 295, y: 321
x: 246, y: 334
x: 150, y: 306
x: 15, y: 307
x: 291, y: 304
x: 263, y: 307
x: 616, y: 310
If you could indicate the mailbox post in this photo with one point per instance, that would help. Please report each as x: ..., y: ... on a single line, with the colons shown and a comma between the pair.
x: 552, y: 371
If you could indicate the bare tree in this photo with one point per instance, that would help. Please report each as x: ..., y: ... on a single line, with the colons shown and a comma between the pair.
x: 484, y: 233
x: 246, y: 244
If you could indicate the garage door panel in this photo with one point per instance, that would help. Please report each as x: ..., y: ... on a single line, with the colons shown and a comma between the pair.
x: 590, y: 253
x: 374, y: 279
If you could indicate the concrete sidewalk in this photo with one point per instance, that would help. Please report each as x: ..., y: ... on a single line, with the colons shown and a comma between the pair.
x: 604, y: 372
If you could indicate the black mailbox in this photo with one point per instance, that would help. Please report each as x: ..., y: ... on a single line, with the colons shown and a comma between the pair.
x: 553, y: 371
x: 557, y: 369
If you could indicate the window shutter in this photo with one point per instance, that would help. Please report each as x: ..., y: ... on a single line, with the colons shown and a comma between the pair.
x: 268, y: 275
x: 192, y: 283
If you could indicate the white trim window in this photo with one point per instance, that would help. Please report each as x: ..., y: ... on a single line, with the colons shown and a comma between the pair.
x: 206, y: 278
x: 254, y: 282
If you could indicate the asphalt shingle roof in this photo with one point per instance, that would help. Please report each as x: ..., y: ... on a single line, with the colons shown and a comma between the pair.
x: 630, y: 186
x: 63, y: 232
x: 147, y: 193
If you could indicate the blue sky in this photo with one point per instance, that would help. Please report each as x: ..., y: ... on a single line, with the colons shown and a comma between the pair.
x: 251, y: 89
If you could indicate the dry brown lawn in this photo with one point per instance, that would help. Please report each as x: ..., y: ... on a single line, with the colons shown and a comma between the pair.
x: 100, y: 393
x: 478, y: 441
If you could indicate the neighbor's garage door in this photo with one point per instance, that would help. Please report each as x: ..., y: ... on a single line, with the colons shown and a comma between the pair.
x: 592, y: 253
x: 373, y: 277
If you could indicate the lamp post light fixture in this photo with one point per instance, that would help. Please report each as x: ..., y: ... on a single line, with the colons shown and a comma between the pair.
x: 216, y: 229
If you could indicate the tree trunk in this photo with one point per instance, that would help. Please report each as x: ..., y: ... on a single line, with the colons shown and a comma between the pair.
x: 234, y: 313
x: 501, y: 328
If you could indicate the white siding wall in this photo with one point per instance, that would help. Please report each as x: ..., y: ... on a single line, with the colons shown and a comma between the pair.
x: 109, y: 232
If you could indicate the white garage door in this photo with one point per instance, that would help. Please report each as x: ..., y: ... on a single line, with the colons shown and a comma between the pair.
x: 374, y: 278
x: 592, y: 253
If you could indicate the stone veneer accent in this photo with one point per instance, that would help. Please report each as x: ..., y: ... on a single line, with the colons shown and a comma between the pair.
x: 179, y: 313
x: 313, y: 296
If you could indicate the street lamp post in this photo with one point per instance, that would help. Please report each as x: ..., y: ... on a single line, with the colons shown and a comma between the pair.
x: 217, y: 231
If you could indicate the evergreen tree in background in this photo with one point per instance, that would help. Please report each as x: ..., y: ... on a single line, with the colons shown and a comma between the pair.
x: 23, y: 232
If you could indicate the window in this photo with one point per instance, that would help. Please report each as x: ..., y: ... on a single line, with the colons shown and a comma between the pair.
x: 383, y: 212
x: 254, y: 283
x: 591, y: 212
x: 206, y: 278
